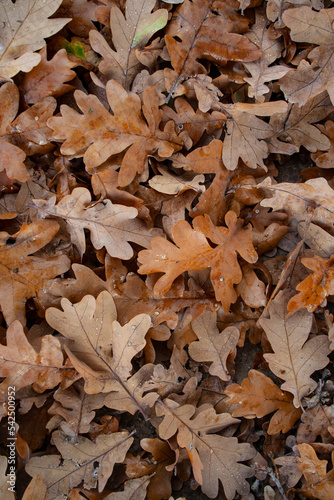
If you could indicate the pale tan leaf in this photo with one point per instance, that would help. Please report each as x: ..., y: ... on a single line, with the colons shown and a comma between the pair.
x: 172, y: 184
x: 7, y: 483
x: 295, y: 358
x: 213, y: 345
x: 110, y: 225
x: 129, y: 33
x: 25, y: 25
x: 135, y: 489
x: 79, y: 460
x: 213, y: 457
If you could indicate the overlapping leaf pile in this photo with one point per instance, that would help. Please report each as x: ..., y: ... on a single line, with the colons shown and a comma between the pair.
x: 167, y: 248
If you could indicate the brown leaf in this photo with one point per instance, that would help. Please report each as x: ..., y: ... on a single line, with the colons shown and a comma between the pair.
x: 208, y: 30
x: 314, y: 290
x: 298, y: 200
x: 319, y: 484
x: 129, y: 34
x: 79, y: 462
x: 111, y: 226
x: 35, y: 489
x: 172, y: 184
x: 25, y: 26
x: 23, y: 366
x: 316, y: 422
x: 22, y: 275
x: 96, y: 135
x: 294, y: 358
x: 7, y: 494
x: 48, y: 77
x: 193, y: 252
x: 258, y: 396
x: 261, y: 70
x: 326, y: 160
x: 92, y: 328
x: 213, y: 457
x: 308, y: 80
x: 213, y: 345
x: 135, y: 489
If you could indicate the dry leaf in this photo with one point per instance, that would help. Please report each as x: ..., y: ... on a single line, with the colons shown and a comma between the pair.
x: 96, y: 134
x: 22, y: 274
x: 171, y: 184
x: 25, y: 25
x: 314, y: 290
x: 213, y: 345
x: 92, y: 327
x: 111, y: 226
x: 135, y: 489
x: 48, y: 77
x: 193, y: 252
x: 80, y: 459
x: 129, y: 34
x: 295, y: 358
x: 23, y: 366
x: 319, y: 484
x: 308, y: 80
x: 213, y: 457
x: 258, y: 396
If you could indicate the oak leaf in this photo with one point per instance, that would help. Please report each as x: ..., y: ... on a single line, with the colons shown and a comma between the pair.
x: 295, y: 358
x: 213, y: 457
x: 25, y: 25
x: 23, y: 366
x: 297, y: 200
x: 261, y: 70
x: 246, y: 134
x: 310, y: 79
x: 258, y: 396
x: 92, y: 328
x: 172, y: 184
x: 4, y: 480
x: 316, y: 422
x: 314, y: 290
x: 326, y: 160
x: 192, y: 252
x: 79, y: 462
x: 129, y: 34
x: 96, y: 134
x: 213, y: 345
x: 48, y: 77
x: 319, y: 482
x: 134, y: 489
x: 22, y: 274
x: 111, y: 226
x: 206, y: 30
x: 72, y: 410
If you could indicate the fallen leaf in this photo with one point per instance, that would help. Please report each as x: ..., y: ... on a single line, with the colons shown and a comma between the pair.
x: 111, y: 226
x: 22, y: 366
x: 319, y: 483
x: 213, y: 345
x: 193, y: 252
x: 257, y: 396
x: 135, y: 489
x: 314, y: 290
x: 25, y: 26
x: 96, y: 134
x: 213, y: 457
x: 79, y: 462
x: 22, y: 274
x: 171, y: 184
x: 129, y: 34
x: 295, y: 358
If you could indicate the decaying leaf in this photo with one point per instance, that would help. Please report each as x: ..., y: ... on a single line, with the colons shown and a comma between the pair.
x: 96, y: 134
x: 319, y: 482
x: 25, y: 25
x: 314, y: 290
x: 22, y: 366
x: 81, y: 459
x: 129, y: 34
x: 213, y: 345
x: 192, y: 252
x: 22, y: 274
x: 258, y: 396
x: 92, y: 327
x: 295, y: 358
x: 213, y: 457
x: 111, y: 226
